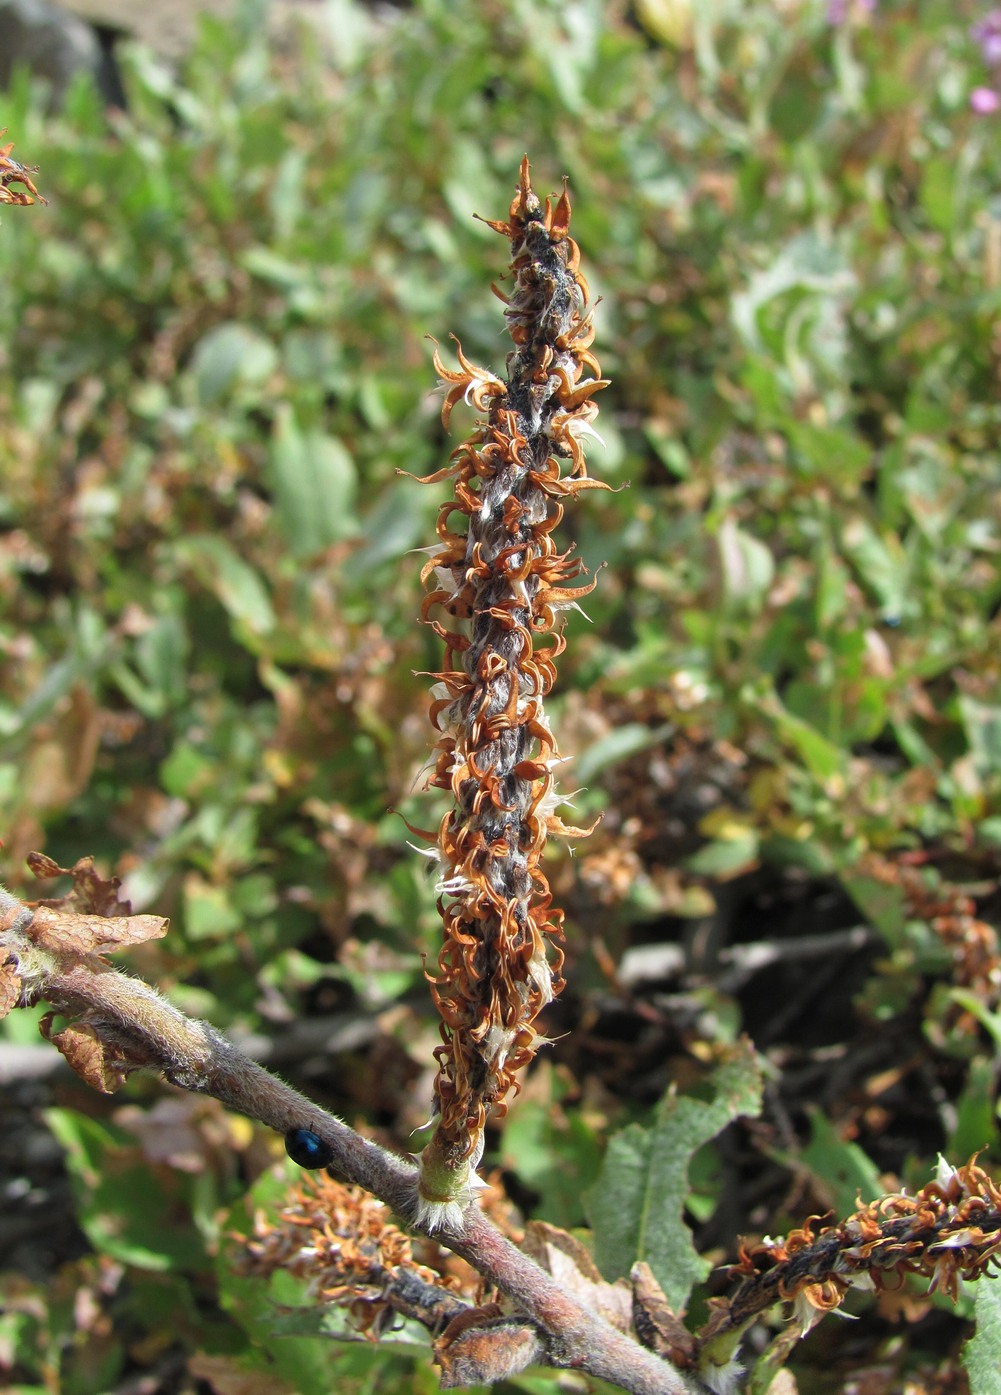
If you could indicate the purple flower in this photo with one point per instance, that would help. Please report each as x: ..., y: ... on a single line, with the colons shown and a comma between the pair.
x: 984, y: 100
x: 838, y: 11
x: 987, y: 33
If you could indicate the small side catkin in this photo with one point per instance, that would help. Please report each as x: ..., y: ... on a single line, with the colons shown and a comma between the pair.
x: 950, y: 1230
x: 498, y: 582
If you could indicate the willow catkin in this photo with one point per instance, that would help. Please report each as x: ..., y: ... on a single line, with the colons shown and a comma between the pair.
x: 498, y: 581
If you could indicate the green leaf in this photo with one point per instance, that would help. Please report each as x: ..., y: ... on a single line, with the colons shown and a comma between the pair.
x: 746, y: 565
x: 314, y: 482
x: 272, y: 267
x: 982, y: 723
x: 981, y: 1353
x: 208, y: 912
x: 618, y: 745
x: 938, y: 191
x: 555, y: 1152
x: 881, y: 903
x: 329, y: 1321
x: 725, y: 857
x: 821, y: 757
x: 881, y: 564
x: 976, y: 1120
x: 844, y: 1171
x: 969, y: 1002
x: 807, y: 262
x: 830, y: 453
x: 394, y: 526
x: 236, y: 585
x: 161, y: 657
x: 228, y: 356
x: 127, y: 1214
x: 637, y: 1205
x: 771, y: 1361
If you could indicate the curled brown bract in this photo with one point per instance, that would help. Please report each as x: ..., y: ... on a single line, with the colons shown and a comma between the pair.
x: 16, y: 185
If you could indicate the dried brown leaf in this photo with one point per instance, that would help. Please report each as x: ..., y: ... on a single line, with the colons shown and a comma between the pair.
x: 564, y: 1257
x: 92, y: 918
x: 98, y: 1063
x: 10, y: 988
x: 543, y: 1241
x: 91, y: 893
x: 657, y: 1325
x: 64, y: 932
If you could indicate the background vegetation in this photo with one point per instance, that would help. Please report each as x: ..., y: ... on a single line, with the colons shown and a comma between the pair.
x: 785, y: 701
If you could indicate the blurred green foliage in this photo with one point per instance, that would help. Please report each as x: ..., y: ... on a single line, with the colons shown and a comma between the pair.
x: 213, y: 366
